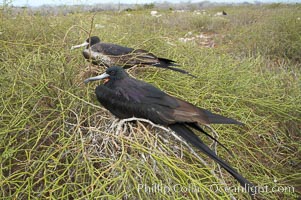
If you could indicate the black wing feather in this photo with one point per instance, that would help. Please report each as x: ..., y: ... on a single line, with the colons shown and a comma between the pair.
x: 111, y: 49
x: 129, y: 57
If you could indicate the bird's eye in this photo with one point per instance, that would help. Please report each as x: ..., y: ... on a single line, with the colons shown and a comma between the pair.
x: 112, y: 73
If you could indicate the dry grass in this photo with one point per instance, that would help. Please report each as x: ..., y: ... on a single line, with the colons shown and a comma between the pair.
x: 56, y: 140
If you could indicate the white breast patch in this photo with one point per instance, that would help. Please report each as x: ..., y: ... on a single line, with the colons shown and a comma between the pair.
x: 97, y: 56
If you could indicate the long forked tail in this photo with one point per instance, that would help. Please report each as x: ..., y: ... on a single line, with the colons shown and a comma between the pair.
x: 218, y: 119
x: 192, y: 138
x: 167, y: 64
x: 197, y: 127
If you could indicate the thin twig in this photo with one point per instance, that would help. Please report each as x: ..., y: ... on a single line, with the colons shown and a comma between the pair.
x: 218, y: 166
x: 74, y: 26
x: 221, y: 180
x: 90, y: 31
x: 78, y: 98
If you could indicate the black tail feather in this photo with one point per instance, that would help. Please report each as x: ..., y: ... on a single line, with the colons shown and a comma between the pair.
x: 192, y: 138
x: 219, y: 119
x: 197, y: 127
x: 167, y: 63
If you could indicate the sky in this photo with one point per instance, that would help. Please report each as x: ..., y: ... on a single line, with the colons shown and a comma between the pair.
x: 90, y: 2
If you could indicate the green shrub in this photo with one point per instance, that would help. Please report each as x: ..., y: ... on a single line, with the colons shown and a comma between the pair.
x: 55, y: 138
x: 275, y: 35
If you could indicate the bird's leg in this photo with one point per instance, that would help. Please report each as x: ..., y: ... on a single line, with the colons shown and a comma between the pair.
x: 117, y: 126
x: 114, y: 124
x: 121, y: 124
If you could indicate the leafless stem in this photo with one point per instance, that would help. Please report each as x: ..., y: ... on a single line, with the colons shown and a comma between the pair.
x: 221, y: 180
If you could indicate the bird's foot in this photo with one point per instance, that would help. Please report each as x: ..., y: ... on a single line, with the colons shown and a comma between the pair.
x: 121, y: 127
x: 114, y: 124
x: 118, y: 126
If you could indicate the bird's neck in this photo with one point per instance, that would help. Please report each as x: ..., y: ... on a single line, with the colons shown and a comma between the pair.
x: 110, y: 84
x: 116, y: 82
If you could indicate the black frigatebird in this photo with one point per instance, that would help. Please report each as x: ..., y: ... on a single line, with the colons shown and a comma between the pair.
x: 126, y: 97
x: 108, y: 54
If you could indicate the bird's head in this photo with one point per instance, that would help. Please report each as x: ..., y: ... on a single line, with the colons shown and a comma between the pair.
x: 112, y: 74
x: 89, y: 42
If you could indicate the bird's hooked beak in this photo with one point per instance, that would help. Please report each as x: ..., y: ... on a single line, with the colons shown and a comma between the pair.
x: 104, y: 76
x: 80, y: 45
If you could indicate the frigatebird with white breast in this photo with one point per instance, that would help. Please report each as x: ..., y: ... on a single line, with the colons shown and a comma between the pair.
x: 108, y: 54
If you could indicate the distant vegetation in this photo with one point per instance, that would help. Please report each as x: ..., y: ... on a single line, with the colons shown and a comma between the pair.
x: 47, y: 9
x: 55, y: 138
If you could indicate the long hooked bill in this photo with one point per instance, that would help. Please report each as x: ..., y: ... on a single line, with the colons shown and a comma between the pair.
x: 80, y: 45
x: 95, y: 78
